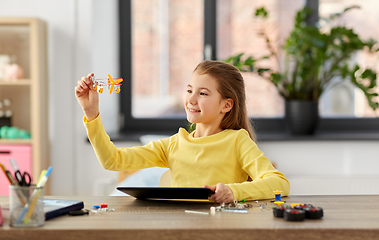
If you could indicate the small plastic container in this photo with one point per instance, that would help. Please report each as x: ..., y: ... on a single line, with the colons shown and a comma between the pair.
x: 26, y: 206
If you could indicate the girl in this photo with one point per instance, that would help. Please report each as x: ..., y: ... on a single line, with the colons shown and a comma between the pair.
x: 219, y: 154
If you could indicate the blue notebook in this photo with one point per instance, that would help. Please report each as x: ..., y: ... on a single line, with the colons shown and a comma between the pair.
x: 55, y: 207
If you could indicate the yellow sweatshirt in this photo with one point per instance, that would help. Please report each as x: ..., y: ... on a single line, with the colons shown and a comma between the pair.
x: 229, y: 157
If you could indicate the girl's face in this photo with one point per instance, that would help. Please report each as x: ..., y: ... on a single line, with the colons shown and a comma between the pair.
x: 203, y: 103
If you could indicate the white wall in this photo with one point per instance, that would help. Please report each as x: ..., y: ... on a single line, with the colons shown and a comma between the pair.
x: 327, y: 167
x: 82, y: 38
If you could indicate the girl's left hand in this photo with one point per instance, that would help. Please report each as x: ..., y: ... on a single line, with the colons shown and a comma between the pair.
x: 223, y: 194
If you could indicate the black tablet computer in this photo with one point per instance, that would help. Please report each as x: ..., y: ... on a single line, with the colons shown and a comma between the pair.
x: 167, y: 192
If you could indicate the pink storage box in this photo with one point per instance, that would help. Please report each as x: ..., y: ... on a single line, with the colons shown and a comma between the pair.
x: 23, y: 156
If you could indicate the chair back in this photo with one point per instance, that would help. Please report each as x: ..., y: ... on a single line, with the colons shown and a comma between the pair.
x: 165, y: 180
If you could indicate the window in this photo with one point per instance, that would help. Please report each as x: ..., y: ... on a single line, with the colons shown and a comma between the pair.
x: 238, y: 32
x: 167, y: 43
x: 345, y: 100
x: 161, y: 41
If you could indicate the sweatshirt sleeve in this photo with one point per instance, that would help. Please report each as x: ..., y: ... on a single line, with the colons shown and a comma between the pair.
x: 265, y: 178
x: 119, y: 159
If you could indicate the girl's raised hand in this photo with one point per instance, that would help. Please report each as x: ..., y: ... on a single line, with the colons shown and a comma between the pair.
x: 223, y: 194
x: 87, y: 97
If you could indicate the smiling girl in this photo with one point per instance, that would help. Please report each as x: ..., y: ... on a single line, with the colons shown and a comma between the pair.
x: 219, y: 154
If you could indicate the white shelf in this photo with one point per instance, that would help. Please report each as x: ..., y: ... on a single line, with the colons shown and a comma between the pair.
x: 16, y: 141
x: 18, y: 82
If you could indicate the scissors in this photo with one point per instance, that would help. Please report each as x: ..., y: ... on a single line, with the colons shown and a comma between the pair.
x: 23, y: 179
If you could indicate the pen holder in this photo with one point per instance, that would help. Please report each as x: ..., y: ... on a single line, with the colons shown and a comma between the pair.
x: 26, y: 206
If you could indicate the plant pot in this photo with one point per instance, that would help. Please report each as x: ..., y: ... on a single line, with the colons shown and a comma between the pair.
x: 301, y: 117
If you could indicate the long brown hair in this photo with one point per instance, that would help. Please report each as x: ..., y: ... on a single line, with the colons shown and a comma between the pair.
x: 230, y: 85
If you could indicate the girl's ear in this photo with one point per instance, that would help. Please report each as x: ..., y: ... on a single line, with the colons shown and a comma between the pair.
x: 228, y: 105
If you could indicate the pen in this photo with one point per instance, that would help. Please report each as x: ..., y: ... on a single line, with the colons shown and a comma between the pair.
x: 14, y: 165
x: 197, y: 212
x: 34, y: 197
x: 43, y: 173
x: 13, y: 182
x: 8, y: 175
x: 29, y: 213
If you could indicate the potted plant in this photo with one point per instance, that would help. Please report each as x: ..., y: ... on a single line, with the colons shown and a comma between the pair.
x: 313, y: 59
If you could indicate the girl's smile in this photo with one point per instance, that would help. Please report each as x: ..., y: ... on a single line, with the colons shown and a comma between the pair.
x: 191, y: 110
x: 204, y: 104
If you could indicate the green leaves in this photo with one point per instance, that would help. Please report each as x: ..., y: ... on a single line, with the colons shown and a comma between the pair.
x: 261, y: 12
x: 367, y: 83
x: 313, y: 59
x: 337, y: 15
x: 244, y: 66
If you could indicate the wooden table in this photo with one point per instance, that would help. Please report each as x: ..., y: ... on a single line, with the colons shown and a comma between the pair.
x: 345, y: 217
